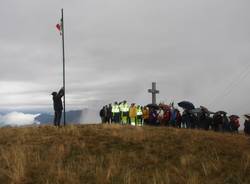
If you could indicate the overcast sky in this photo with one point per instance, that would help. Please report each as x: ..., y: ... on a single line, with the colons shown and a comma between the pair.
x: 196, y: 50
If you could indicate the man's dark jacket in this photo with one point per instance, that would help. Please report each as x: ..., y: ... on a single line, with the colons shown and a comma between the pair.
x: 57, y: 100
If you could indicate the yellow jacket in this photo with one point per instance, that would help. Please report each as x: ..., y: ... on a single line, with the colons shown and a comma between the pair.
x: 132, y: 112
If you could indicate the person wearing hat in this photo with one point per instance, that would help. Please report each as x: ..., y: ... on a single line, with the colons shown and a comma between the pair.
x: 58, y: 107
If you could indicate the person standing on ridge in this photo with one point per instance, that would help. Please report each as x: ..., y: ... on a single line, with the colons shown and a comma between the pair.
x: 115, y: 113
x: 124, y: 108
x: 247, y: 125
x: 145, y: 114
x: 139, y: 114
x: 103, y: 114
x: 58, y: 107
x: 132, y: 114
x: 109, y: 114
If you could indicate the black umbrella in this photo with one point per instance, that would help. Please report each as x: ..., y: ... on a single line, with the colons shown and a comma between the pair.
x: 197, y: 110
x: 204, y: 109
x: 247, y: 116
x: 186, y: 105
x: 221, y: 112
x: 234, y: 117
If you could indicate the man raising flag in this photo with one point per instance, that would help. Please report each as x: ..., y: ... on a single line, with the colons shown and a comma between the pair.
x: 58, y: 107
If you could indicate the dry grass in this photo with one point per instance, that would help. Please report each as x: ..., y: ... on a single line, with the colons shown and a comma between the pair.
x: 122, y: 154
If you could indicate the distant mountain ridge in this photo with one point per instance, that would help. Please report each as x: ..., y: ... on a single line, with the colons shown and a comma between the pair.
x: 72, y: 117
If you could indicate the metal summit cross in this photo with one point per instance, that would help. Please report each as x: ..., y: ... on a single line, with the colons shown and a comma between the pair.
x: 154, y: 92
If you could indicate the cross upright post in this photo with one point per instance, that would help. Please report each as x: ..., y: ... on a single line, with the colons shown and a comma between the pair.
x: 154, y: 92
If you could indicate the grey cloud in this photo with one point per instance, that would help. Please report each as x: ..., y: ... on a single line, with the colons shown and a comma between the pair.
x: 115, y: 49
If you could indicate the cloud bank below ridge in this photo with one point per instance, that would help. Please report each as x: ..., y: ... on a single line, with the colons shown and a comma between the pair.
x: 18, y: 119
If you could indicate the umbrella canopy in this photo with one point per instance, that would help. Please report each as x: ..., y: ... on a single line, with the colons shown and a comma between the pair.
x: 221, y: 112
x: 247, y: 116
x: 197, y: 110
x: 186, y: 105
x: 234, y: 117
x: 204, y: 109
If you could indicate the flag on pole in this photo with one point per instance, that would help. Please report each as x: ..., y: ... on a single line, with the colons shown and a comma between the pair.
x: 59, y: 27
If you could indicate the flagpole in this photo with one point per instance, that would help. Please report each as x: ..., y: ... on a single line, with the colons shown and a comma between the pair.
x: 64, y: 106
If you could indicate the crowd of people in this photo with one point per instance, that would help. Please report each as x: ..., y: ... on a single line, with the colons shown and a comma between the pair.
x: 169, y: 115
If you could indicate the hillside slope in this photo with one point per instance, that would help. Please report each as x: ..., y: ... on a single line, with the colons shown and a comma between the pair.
x: 121, y: 154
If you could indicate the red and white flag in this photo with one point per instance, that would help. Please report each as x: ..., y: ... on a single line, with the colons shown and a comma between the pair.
x: 59, y: 28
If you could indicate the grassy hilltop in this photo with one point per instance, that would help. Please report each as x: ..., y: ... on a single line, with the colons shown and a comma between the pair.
x: 122, y: 154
